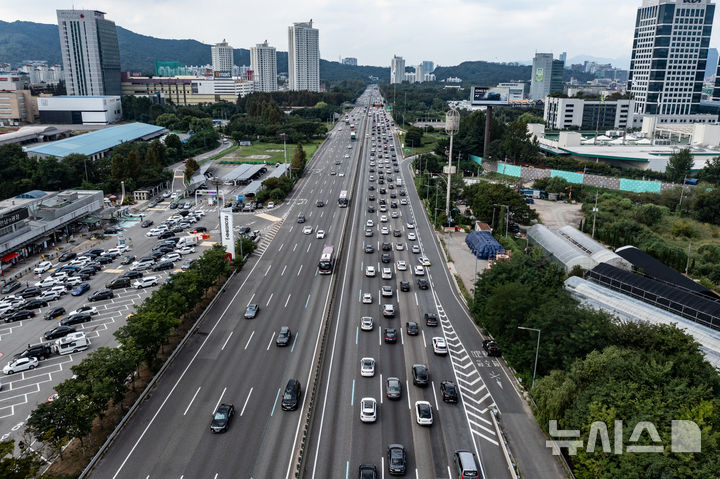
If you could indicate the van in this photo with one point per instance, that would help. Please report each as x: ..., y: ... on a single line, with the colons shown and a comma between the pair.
x: 71, y: 343
x: 187, y: 241
x: 466, y: 466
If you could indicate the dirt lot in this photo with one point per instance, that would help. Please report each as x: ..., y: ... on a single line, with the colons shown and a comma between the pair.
x: 556, y: 214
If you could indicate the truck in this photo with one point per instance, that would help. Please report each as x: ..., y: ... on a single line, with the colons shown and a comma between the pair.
x: 353, y: 136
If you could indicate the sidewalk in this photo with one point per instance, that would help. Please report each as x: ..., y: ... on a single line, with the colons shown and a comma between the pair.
x: 461, y: 261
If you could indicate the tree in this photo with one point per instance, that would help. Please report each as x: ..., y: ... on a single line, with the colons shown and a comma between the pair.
x: 173, y: 141
x: 679, y: 165
x: 413, y: 137
x: 191, y: 166
x: 299, y: 159
x: 518, y: 144
x: 25, y: 466
x: 167, y: 120
x: 711, y: 171
x: 706, y: 206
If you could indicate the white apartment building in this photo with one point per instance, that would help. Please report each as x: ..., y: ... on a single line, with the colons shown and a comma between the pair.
x: 304, y: 56
x: 222, y: 57
x: 397, y: 69
x: 90, y: 52
x: 263, y: 63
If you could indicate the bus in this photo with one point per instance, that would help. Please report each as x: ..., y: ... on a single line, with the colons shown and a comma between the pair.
x: 343, y: 199
x: 353, y: 137
x: 327, y: 260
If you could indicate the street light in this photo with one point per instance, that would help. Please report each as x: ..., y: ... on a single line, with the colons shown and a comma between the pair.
x: 284, y: 135
x: 537, y: 349
x: 452, y: 126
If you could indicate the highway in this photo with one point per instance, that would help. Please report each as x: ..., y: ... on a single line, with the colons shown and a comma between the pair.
x: 234, y: 360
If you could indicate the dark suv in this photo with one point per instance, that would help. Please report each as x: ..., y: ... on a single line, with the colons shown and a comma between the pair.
x: 291, y: 396
x: 431, y: 319
x: 40, y: 351
x: 120, y: 282
x: 420, y: 375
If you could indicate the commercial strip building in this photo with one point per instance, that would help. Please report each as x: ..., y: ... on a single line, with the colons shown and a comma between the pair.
x: 263, y: 62
x: 97, y: 144
x: 187, y: 90
x: 36, y: 220
x: 80, y: 110
x: 564, y: 113
x: 304, y: 57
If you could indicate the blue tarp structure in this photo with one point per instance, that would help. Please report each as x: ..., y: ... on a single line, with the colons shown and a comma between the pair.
x: 484, y: 245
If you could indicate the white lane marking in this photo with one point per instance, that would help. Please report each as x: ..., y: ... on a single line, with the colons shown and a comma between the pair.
x: 295, y: 247
x: 283, y: 271
x: 381, y: 391
x: 246, y: 401
x: 249, y: 339
x: 416, y: 299
x: 226, y: 341
x: 308, y: 248
x: 251, y: 298
x: 281, y: 246
x: 298, y: 273
x: 191, y: 400
x: 402, y: 341
x: 424, y: 342
x: 268, y: 270
x: 219, y: 399
x: 407, y: 388
x: 288, y: 299
x: 269, y: 299
x: 271, y: 340
x: 434, y: 395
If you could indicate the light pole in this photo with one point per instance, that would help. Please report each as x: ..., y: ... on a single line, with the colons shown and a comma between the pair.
x: 284, y: 135
x: 537, y: 349
x: 452, y: 126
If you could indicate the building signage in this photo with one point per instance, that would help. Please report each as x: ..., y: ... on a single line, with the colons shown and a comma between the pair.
x: 226, y: 231
x: 539, y: 75
x: 480, y: 95
x: 13, y: 217
x: 222, y: 74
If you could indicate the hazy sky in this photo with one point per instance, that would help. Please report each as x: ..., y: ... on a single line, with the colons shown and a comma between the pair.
x: 445, y: 31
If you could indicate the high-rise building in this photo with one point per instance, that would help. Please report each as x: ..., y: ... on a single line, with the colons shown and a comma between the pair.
x: 304, y: 56
x: 712, y: 62
x: 428, y: 67
x: 563, y: 57
x: 90, y: 52
x: 419, y: 73
x: 547, y: 76
x: 397, y: 69
x: 263, y: 63
x: 352, y: 61
x: 669, y: 57
x: 222, y: 57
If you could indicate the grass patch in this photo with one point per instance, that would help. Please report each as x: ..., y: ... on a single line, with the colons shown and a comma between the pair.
x: 447, y: 252
x: 242, y: 154
x: 429, y: 141
x: 221, y: 154
x: 463, y: 290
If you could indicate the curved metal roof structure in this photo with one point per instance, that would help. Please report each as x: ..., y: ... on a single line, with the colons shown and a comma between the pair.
x: 595, y: 249
x: 558, y: 249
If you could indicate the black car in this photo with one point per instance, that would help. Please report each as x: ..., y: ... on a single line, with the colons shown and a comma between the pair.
x: 301, y: 219
x: 283, y: 337
x: 200, y: 229
x: 177, y: 229
x: 11, y: 286
x: 369, y: 248
x: 405, y: 286
x: 157, y: 254
x: 59, y: 332
x: 386, y: 258
x: 173, y: 206
x: 371, y: 188
x: 146, y: 224
x: 420, y: 375
x: 19, y: 315
x: 86, y: 271
x: 291, y: 396
x: 251, y: 311
x: 128, y: 259
x: 111, y: 230
x: 163, y: 265
x: 423, y: 283
x: 131, y: 275
x: 30, y: 292
x: 386, y: 247
x: 222, y: 417
x: 119, y: 282
x: 40, y: 351
x: 431, y: 319
x: 35, y: 304
x: 371, y: 209
x: 397, y: 233
x: 368, y: 471
x: 95, y: 252
x: 412, y: 328
x: 55, y: 313
x: 449, y: 391
x: 396, y: 459
x: 105, y: 259
x: 390, y: 335
x: 491, y: 348
x: 102, y: 294
x: 67, y: 257
x: 371, y: 198
x: 76, y: 319
x: 167, y: 234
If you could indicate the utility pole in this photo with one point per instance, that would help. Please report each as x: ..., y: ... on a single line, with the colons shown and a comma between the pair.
x: 284, y: 135
x: 452, y: 126
x: 595, y: 210
x: 537, y: 350
x: 687, y: 265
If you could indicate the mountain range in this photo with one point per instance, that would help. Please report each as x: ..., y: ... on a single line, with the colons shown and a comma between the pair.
x: 24, y: 41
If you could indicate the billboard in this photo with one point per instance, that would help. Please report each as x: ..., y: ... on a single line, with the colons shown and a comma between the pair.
x: 539, y: 75
x: 218, y: 74
x: 481, y: 95
x: 226, y: 231
x: 13, y: 217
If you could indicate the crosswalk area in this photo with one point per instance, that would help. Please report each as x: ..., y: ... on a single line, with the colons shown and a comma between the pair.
x: 267, y: 236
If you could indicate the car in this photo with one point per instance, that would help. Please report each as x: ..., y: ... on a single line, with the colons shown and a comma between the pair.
x: 251, y: 311
x: 145, y: 282
x: 368, y: 413
x: 271, y: 204
x: 491, y: 348
x: 187, y: 264
x: 35, y: 304
x: 367, y: 298
x: 367, y: 323
x: 307, y: 230
x: 42, y: 267
x: 80, y: 289
x: 424, y: 261
x: 397, y: 233
x: 439, y: 346
x: 10, y: 287
x: 367, y: 367
x: 383, y: 219
x: 39, y: 351
x: 58, y: 332
x: 142, y: 265
x: 368, y: 233
x: 51, y: 294
x: 146, y: 224
x: 369, y: 224
x: 301, y: 218
x: 396, y: 459
x: 320, y: 203
x: 371, y: 197
x: 369, y: 248
x: 163, y: 265
x: 45, y: 283
x: 91, y: 310
x: 101, y: 295
x: 320, y: 234
x: 283, y: 336
x: 370, y: 271
x: 291, y: 396
x: 386, y: 273
x: 420, y: 374
x: 393, y: 388
x: 431, y: 320
x: 388, y: 310
x: 127, y: 259
x: 19, y: 315
x: 118, y: 283
x: 423, y: 413
x: 171, y: 257
x: 200, y: 229
x: 342, y: 173
x: 419, y: 271
x: 403, y: 201
x: 449, y: 392
x: 410, y: 226
x: 371, y: 188
x: 411, y: 236
x: 384, y: 230
x: 222, y: 417
x: 399, y: 247
x: 55, y: 313
x: 75, y: 319
x: 404, y: 286
x: 412, y: 328
x: 390, y: 335
x: 21, y: 364
x: 65, y: 257
x: 386, y: 246
x: 184, y: 250
x: 371, y: 209
x: 386, y: 291
x: 415, y: 249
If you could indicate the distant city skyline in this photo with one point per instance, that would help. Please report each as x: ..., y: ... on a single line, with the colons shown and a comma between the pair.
x: 456, y: 30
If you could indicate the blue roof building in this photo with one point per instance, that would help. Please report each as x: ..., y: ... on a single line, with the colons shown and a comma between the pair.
x: 96, y: 144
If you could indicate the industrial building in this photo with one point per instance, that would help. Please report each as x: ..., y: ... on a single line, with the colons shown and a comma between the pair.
x: 80, y: 110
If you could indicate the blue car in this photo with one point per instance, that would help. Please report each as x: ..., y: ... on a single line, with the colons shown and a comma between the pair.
x: 80, y: 289
x: 69, y: 269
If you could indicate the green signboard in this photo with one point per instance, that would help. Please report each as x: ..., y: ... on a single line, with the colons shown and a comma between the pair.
x: 539, y: 75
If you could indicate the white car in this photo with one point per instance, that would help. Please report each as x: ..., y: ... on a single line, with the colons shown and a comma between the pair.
x: 411, y: 236
x: 419, y: 271
x: 410, y: 226
x: 20, y: 364
x: 399, y: 247
x: 424, y: 260
x: 385, y: 230
x: 183, y: 250
x: 59, y: 289
x: 367, y: 367
x: 49, y: 295
x: 201, y: 213
x: 367, y: 323
x: 386, y: 291
x: 270, y: 205
x: 439, y: 346
x: 369, y: 224
x: 386, y: 273
x: 91, y: 310
x: 370, y: 271
x: 367, y: 298
x: 49, y: 282
x: 423, y: 413
x: 341, y: 173
x: 42, y: 267
x: 145, y: 282
x: 172, y: 257
x: 395, y: 214
x: 320, y: 234
x: 403, y: 201
x: 401, y: 265
x: 368, y: 410
x: 154, y: 232
x: 384, y: 219
x: 73, y: 281
x: 346, y: 155
x: 307, y: 230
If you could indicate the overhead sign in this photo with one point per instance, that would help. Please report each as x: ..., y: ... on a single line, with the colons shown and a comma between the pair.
x: 480, y: 95
x: 226, y: 231
x: 13, y: 217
